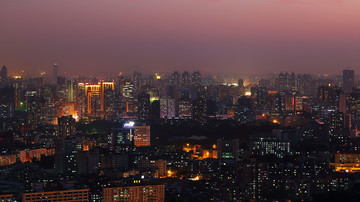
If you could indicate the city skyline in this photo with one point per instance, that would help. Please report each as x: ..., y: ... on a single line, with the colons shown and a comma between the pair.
x: 210, y: 36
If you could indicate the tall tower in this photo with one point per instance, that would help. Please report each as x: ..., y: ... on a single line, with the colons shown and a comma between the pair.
x: 55, y: 73
x: 175, y: 79
x: 196, y: 79
x: 3, y: 74
x: 186, y: 79
x: 70, y: 91
x: 348, y: 80
x: 144, y: 106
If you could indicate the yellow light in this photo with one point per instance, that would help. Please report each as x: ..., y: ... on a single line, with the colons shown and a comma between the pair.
x: 214, y: 146
x: 248, y: 93
x: 158, y: 77
x: 275, y: 121
x: 76, y: 118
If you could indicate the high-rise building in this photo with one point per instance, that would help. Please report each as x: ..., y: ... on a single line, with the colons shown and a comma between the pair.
x: 67, y: 127
x: 328, y: 94
x: 348, y: 80
x: 263, y: 146
x: 196, y: 79
x: 303, y: 84
x: 66, y: 155
x: 175, y: 79
x: 121, y: 139
x: 89, y: 162
x: 167, y: 107
x: 95, y: 94
x: 55, y: 73
x: 159, y: 165
x: 3, y: 74
x: 264, y: 83
x: 227, y: 148
x: 137, y: 79
x: 80, y: 195
x: 141, y: 135
x: 342, y: 106
x: 241, y: 82
x: 286, y: 82
x: 7, y: 102
x: 70, y: 92
x: 336, y: 127
x: 253, y: 178
x: 260, y: 95
x: 185, y: 79
x: 185, y: 107
x: 155, y: 109
x: 151, y: 193
x: 144, y: 106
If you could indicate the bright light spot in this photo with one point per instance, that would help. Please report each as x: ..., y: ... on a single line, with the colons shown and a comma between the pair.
x: 195, y: 178
x: 275, y: 121
x: 76, y: 118
x: 248, y: 93
x: 129, y: 124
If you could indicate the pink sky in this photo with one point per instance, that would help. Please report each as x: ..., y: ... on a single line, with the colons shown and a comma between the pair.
x: 242, y: 36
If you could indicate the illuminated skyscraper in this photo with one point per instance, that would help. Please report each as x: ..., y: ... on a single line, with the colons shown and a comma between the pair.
x: 348, y: 80
x: 70, y: 91
x: 95, y: 97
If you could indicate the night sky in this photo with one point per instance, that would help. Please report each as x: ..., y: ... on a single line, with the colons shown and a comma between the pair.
x: 241, y: 36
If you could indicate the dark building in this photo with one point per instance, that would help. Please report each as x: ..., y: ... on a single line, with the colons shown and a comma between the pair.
x: 196, y: 79
x: 7, y: 102
x: 3, y: 74
x: 155, y: 109
x: 185, y: 79
x: 144, y: 106
x: 348, y: 80
x: 227, y: 148
x: 67, y: 127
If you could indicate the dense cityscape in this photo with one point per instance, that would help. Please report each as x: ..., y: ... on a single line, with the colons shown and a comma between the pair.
x: 179, y: 136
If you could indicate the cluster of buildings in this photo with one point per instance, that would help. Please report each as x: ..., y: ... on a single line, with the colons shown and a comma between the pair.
x: 175, y: 136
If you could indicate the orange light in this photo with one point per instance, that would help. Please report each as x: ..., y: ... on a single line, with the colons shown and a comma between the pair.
x: 275, y: 121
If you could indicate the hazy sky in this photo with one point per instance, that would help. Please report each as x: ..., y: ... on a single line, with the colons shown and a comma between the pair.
x: 242, y: 36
